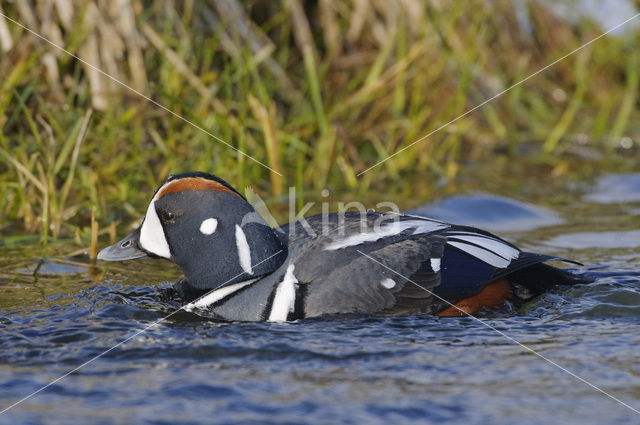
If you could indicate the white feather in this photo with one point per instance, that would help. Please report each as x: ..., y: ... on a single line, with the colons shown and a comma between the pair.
x: 244, y: 252
x: 388, y: 283
x: 217, y: 295
x: 427, y: 226
x: 152, y: 237
x: 482, y: 254
x: 208, y: 226
x: 421, y: 226
x: 497, y: 247
x: 285, y: 299
x: 435, y: 264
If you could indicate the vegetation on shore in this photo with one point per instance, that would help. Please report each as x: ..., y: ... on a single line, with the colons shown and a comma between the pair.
x: 317, y: 91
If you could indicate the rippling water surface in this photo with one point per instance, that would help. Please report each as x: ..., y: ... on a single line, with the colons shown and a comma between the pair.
x: 57, y: 313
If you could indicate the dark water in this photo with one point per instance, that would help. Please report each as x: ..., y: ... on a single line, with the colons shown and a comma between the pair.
x: 58, y: 312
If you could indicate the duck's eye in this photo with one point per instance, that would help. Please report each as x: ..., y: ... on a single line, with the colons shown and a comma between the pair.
x: 167, y: 216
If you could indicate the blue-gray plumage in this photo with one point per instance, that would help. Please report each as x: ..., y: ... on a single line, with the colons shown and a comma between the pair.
x: 238, y: 268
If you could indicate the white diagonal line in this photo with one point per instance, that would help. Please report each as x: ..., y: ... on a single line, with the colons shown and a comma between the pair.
x: 501, y: 93
x: 114, y: 79
x: 124, y: 341
x: 224, y: 283
x: 505, y: 335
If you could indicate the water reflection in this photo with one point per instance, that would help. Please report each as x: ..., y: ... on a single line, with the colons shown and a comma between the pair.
x: 490, y: 212
x: 615, y: 188
x: 588, y: 240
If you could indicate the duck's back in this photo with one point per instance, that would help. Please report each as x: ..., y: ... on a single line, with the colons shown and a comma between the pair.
x: 388, y: 264
x: 399, y: 264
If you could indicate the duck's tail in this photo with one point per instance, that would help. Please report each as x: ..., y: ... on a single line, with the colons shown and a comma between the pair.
x: 534, y: 277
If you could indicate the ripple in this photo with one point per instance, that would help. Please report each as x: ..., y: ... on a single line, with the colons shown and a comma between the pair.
x: 346, y: 369
x: 615, y: 188
x: 588, y: 240
x: 490, y: 212
x: 54, y: 267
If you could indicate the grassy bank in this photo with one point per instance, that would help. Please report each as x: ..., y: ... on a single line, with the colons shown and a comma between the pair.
x: 317, y: 91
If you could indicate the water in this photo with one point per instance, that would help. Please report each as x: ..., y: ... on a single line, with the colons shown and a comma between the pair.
x: 58, y: 312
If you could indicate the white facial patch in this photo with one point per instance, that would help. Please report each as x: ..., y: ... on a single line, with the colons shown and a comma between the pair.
x: 388, y: 283
x: 152, y: 237
x: 284, y: 301
x: 244, y: 252
x: 208, y: 226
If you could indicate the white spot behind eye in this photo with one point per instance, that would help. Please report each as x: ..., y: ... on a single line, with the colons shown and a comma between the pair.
x: 388, y: 283
x: 208, y: 226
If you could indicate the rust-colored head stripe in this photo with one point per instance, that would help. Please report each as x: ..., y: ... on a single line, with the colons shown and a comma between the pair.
x: 194, y: 183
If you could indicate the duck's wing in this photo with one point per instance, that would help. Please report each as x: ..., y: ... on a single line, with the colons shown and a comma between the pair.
x: 432, y: 264
x: 392, y: 275
x: 474, y: 258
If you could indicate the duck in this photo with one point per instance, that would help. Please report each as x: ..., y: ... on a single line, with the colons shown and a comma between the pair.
x: 238, y: 268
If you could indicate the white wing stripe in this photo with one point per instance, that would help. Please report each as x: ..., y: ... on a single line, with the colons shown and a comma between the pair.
x: 482, y: 254
x: 421, y: 226
x: 497, y: 247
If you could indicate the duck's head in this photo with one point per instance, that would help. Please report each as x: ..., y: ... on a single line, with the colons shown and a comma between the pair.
x: 207, y: 228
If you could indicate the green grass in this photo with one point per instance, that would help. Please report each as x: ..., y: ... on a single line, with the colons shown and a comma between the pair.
x: 317, y: 91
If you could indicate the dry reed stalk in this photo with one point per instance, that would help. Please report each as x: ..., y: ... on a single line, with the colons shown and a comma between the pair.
x: 267, y: 120
x: 26, y: 15
x: 237, y: 26
x: 182, y: 68
x: 72, y: 167
x: 301, y: 28
x: 6, y: 41
x: 93, y: 249
x: 90, y: 52
x: 330, y: 27
x: 127, y: 24
x: 64, y: 9
x: 357, y: 21
x: 24, y: 171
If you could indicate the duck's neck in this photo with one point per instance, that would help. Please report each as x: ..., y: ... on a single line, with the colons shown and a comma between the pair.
x: 257, y: 252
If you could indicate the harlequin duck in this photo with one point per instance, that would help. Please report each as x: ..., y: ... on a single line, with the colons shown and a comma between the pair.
x: 238, y: 268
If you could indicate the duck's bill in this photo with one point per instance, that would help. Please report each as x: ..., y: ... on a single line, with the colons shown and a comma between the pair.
x: 126, y: 249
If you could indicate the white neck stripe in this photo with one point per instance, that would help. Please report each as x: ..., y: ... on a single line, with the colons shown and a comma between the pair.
x: 244, y: 252
x: 284, y: 301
